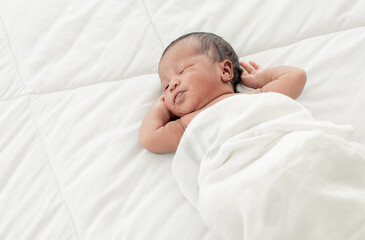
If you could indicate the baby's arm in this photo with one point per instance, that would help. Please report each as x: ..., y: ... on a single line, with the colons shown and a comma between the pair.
x: 158, y: 133
x: 282, y: 79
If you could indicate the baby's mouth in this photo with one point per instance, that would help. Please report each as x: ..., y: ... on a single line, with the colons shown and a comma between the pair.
x: 178, y: 95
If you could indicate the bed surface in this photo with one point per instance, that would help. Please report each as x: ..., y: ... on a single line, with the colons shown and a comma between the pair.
x: 77, y: 78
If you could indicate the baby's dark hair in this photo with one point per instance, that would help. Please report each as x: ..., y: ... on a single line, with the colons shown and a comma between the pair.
x: 216, y: 48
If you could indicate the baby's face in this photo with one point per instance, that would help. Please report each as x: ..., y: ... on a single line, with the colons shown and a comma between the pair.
x: 189, y: 80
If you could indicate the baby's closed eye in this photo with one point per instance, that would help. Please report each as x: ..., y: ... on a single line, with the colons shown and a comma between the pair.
x: 183, y: 70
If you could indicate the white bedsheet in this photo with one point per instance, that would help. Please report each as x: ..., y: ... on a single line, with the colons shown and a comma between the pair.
x: 261, y: 167
x: 77, y: 77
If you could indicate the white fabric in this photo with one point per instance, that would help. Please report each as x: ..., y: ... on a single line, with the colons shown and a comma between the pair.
x: 77, y: 78
x: 261, y: 167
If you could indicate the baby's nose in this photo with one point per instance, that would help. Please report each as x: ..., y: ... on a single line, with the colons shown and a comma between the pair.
x: 174, y: 85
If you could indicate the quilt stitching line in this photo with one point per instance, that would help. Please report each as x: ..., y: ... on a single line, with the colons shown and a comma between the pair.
x: 153, y: 25
x: 7, y: 40
x: 52, y: 169
x: 34, y: 116
x: 14, y: 98
x: 127, y: 78
x: 75, y: 88
x: 304, y: 39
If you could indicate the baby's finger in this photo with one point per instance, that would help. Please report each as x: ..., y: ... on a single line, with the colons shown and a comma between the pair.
x: 255, y: 65
x: 162, y: 98
x: 244, y: 73
x: 247, y: 67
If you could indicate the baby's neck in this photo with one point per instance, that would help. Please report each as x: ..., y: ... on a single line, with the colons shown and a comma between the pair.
x: 188, y: 117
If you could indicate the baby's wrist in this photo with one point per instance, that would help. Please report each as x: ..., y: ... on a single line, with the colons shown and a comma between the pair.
x: 163, y: 112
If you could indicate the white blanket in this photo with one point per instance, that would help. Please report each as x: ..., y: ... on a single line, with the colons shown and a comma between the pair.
x: 261, y: 167
x: 77, y: 78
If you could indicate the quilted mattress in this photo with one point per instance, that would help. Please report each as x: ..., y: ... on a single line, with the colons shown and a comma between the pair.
x: 77, y: 78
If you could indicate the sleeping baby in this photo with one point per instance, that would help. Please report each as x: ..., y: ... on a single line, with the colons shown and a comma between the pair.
x: 264, y: 168
x: 197, y: 70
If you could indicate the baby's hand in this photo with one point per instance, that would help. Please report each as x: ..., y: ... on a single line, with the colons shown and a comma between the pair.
x: 160, y: 104
x: 253, y: 75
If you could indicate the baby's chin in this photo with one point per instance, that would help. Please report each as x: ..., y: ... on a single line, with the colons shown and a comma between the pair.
x: 184, y: 109
x: 179, y: 114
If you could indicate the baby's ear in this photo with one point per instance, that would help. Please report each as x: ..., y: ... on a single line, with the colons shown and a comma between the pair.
x: 227, y: 71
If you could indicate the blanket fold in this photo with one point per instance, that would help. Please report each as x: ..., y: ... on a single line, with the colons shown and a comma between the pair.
x: 261, y: 167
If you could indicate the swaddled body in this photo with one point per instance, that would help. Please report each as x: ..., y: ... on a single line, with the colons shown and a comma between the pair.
x: 266, y: 169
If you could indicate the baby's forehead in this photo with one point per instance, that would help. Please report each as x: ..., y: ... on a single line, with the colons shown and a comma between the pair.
x: 178, y: 52
x: 186, y: 46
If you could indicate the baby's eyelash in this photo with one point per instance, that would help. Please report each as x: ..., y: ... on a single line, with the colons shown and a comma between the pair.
x: 185, y: 69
